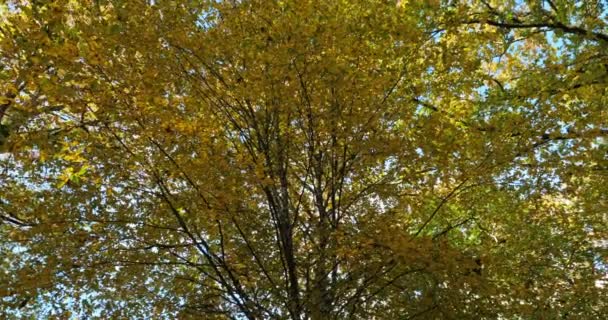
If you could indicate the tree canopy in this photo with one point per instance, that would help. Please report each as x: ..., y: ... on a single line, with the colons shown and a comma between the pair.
x: 304, y: 159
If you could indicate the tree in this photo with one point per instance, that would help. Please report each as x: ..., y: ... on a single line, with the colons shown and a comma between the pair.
x: 304, y: 159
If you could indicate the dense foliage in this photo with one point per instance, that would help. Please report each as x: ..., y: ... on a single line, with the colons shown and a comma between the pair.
x: 304, y: 159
